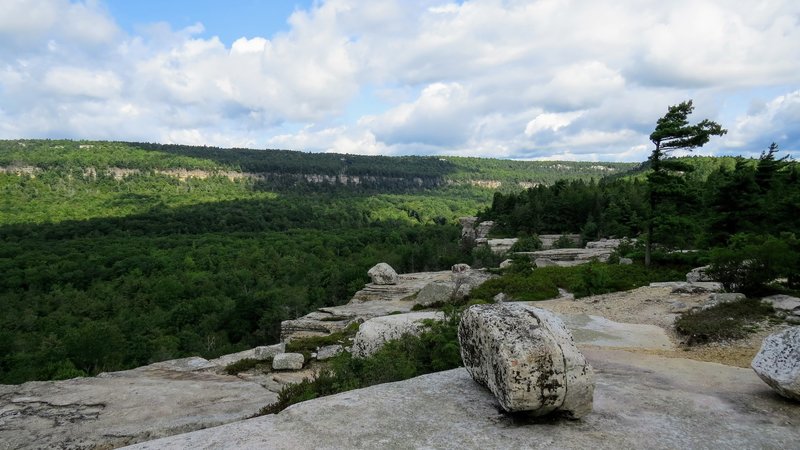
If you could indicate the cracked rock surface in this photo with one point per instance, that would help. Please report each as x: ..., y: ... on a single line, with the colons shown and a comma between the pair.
x: 121, y: 408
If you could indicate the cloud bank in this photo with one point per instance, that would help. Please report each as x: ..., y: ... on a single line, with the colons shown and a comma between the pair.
x: 545, y: 79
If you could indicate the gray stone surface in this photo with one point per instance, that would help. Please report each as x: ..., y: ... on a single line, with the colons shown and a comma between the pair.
x: 328, y: 352
x: 625, y: 261
x: 382, y: 273
x: 601, y: 332
x: 288, y: 361
x: 506, y: 264
x: 785, y: 303
x: 121, y: 408
x: 501, y: 245
x: 570, y: 256
x: 436, y: 292
x: 778, y: 362
x: 375, y: 333
x: 722, y: 297
x: 685, y: 286
x: 269, y: 351
x: 527, y: 358
x: 698, y: 274
x: 641, y: 402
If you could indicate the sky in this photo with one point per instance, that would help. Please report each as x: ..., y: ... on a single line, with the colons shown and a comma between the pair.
x: 537, y: 79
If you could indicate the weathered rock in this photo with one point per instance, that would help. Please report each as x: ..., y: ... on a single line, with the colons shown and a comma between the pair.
x: 570, y: 256
x: 121, y: 408
x: 527, y: 358
x: 483, y: 229
x: 685, y: 286
x: 460, y: 268
x: 328, y: 352
x: 269, y: 351
x: 625, y: 261
x: 501, y: 298
x: 288, y: 361
x: 642, y: 401
x: 609, y: 244
x: 436, y: 292
x: 467, y: 228
x: 382, y: 273
x: 698, y: 274
x: 544, y: 262
x: 785, y: 303
x: 722, y: 297
x: 375, y: 333
x: 501, y: 245
x: 778, y: 362
x: 506, y: 264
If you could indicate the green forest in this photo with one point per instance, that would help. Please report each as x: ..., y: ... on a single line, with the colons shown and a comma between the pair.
x: 105, y: 269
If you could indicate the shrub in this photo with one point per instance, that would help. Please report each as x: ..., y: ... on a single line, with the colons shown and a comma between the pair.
x: 724, y: 321
x: 527, y: 244
x: 246, y: 364
x: 750, y: 263
x: 565, y: 241
x: 308, y: 345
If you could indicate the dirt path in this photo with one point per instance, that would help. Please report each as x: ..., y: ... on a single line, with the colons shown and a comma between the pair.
x: 655, y: 306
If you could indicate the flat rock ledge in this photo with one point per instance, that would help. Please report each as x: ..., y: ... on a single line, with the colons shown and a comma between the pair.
x: 641, y: 401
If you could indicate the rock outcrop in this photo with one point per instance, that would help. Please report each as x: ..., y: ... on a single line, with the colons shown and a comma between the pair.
x: 121, y: 408
x: 785, y: 306
x: 527, y: 358
x: 288, y: 361
x: 778, y: 362
x: 382, y: 273
x: 569, y: 256
x: 375, y: 333
x: 698, y: 274
x: 641, y: 401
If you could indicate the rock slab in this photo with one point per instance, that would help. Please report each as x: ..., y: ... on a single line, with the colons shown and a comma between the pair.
x: 641, y: 401
x: 288, y: 361
x: 527, y: 358
x: 778, y: 362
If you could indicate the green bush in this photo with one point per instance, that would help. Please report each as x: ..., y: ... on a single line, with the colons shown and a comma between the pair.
x: 527, y: 244
x: 565, y: 241
x: 246, y: 364
x: 724, y: 321
x: 434, y: 350
x: 308, y: 345
x: 750, y: 263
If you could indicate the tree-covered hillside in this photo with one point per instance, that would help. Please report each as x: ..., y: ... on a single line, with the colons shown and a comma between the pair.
x: 115, y: 254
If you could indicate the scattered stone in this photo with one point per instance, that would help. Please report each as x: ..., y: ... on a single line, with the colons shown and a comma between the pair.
x: 501, y: 298
x: 778, y: 362
x: 527, y: 358
x: 436, y: 293
x: 382, y: 273
x: 375, y: 333
x: 698, y: 274
x: 784, y: 303
x: 506, y: 264
x: 269, y: 351
x: 460, y: 268
x: 328, y: 352
x: 625, y: 261
x: 720, y: 298
x: 288, y: 361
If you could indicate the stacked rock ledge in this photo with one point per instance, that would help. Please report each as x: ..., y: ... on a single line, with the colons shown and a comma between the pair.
x: 527, y: 358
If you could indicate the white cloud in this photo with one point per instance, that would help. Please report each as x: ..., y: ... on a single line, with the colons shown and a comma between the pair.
x: 527, y: 79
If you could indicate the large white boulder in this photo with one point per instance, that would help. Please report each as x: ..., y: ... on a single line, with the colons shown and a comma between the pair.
x: 375, y: 333
x: 527, y: 358
x: 382, y: 273
x: 778, y: 362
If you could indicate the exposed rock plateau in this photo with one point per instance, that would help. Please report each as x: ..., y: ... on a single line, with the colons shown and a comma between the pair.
x: 640, y: 401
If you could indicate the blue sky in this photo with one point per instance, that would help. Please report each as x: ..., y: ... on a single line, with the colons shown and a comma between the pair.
x: 521, y: 79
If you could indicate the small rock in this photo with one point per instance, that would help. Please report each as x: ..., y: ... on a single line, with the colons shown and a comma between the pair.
x: 506, y: 264
x: 778, y: 362
x: 720, y: 298
x: 698, y: 274
x: 288, y: 361
x: 269, y: 351
x: 328, y: 352
x: 562, y: 293
x: 784, y: 303
x: 460, y: 268
x: 527, y: 358
x: 382, y: 273
x: 625, y: 261
x: 501, y: 298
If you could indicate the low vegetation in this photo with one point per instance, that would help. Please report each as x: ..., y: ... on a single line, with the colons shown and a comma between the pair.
x: 725, y: 321
x: 434, y: 350
x: 243, y: 365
